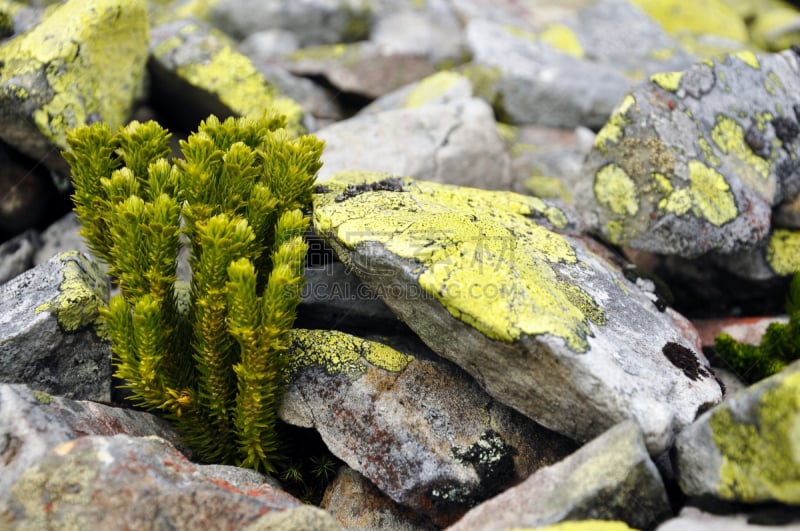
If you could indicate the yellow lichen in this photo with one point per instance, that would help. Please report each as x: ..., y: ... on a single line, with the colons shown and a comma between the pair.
x: 432, y: 87
x: 612, y: 131
x: 773, y: 83
x: 783, y: 251
x: 728, y: 135
x: 761, y: 458
x: 563, y: 39
x: 548, y: 188
x: 710, y: 17
x: 667, y: 80
x: 615, y: 190
x: 708, y: 152
x: 580, y: 525
x: 477, y: 254
x: 748, y: 58
x: 711, y: 194
x: 340, y: 353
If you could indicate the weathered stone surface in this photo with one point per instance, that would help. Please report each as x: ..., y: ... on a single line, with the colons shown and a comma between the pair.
x: 746, y: 449
x: 685, y: 166
x: 610, y: 478
x: 33, y: 422
x: 362, y: 68
x: 455, y: 143
x: 138, y: 483
x: 311, y: 21
x: 542, y: 321
x: 443, y: 87
x: 199, y: 69
x: 47, y: 317
x: 693, y: 519
x: 16, y: 254
x: 419, y: 429
x: 357, y: 505
x: 83, y: 63
x: 62, y: 235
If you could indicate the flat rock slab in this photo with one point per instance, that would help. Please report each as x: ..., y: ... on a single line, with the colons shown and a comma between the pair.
x: 541, y: 318
x: 687, y: 166
x: 747, y: 448
x: 82, y: 63
x: 47, y: 334
x: 610, y: 478
x: 420, y: 429
x: 33, y: 422
x: 124, y: 482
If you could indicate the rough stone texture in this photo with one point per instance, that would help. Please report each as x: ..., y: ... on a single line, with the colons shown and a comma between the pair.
x: 198, y: 68
x: 62, y: 235
x: 693, y: 519
x: 47, y: 337
x: 419, y: 429
x: 455, y: 143
x: 357, y: 505
x: 124, y: 482
x: 686, y: 166
x: 361, y: 68
x: 541, y: 320
x: 83, y: 63
x: 746, y: 449
x: 435, y: 34
x: 311, y: 21
x: 16, y: 254
x: 610, y: 478
x: 33, y: 422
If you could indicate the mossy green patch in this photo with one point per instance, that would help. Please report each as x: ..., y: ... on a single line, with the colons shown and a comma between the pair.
x: 479, y: 253
x: 92, y: 55
x: 42, y: 397
x: 761, y: 458
x: 432, y: 87
x: 83, y: 290
x: 783, y: 251
x: 340, y: 353
x: 615, y: 190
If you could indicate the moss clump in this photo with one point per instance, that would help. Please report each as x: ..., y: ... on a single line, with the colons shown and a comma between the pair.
x: 210, y: 357
x: 779, y: 347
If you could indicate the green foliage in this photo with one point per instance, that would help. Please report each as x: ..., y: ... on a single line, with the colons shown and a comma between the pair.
x: 779, y: 346
x: 211, y: 356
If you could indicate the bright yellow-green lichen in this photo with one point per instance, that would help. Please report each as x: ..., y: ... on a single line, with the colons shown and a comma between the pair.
x: 81, y: 293
x: 93, y: 55
x: 42, y: 397
x: 615, y: 190
x: 563, y: 39
x: 710, y: 17
x: 728, y: 135
x: 748, y: 58
x: 708, y: 152
x: 340, y: 353
x: 773, y: 83
x: 548, y: 188
x: 667, y: 80
x: 783, y: 251
x: 580, y: 525
x: 432, y: 87
x: 478, y: 254
x: 761, y: 459
x: 711, y: 194
x: 613, y: 129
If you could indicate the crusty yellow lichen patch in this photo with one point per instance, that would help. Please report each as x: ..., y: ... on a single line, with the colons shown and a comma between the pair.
x: 612, y: 131
x: 710, y: 17
x: 432, y: 87
x: 81, y: 293
x: 708, y: 196
x: 753, y: 170
x: 563, y: 39
x: 477, y: 251
x: 667, y: 80
x: 783, y: 251
x: 92, y: 54
x: 615, y: 190
x: 340, y: 353
x: 748, y: 58
x: 580, y: 525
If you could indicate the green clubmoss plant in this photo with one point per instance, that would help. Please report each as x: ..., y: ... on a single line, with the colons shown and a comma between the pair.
x: 209, y: 354
x: 779, y: 347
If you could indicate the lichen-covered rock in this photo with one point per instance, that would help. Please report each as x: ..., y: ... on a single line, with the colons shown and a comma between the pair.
x: 747, y: 449
x: 610, y: 478
x: 540, y: 317
x: 33, y: 422
x: 456, y: 142
x: 84, y: 62
x: 687, y: 165
x: 420, y: 429
x: 199, y: 69
x: 587, y: 525
x: 124, y: 482
x: 47, y: 329
x: 443, y: 87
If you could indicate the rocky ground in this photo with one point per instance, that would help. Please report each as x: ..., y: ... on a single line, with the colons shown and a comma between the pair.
x: 532, y: 220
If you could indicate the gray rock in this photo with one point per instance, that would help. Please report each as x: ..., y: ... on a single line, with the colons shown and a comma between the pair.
x: 311, y: 21
x: 686, y: 166
x: 16, y: 254
x: 540, y: 317
x: 434, y: 34
x: 34, y: 422
x: 47, y: 90
x: 138, y: 483
x: 746, y: 449
x: 694, y: 519
x: 359, y: 506
x: 443, y: 87
x: 455, y: 143
x: 419, y: 429
x: 48, y: 338
x: 610, y: 478
x: 267, y: 45
x: 61, y: 236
